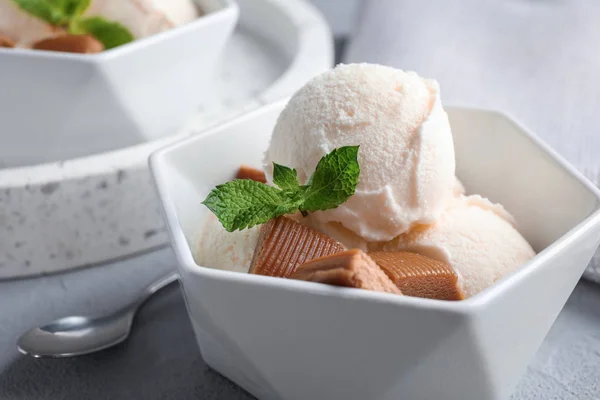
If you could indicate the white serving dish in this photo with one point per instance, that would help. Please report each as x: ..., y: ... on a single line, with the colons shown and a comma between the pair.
x: 90, y: 210
x: 57, y: 106
x: 285, y: 339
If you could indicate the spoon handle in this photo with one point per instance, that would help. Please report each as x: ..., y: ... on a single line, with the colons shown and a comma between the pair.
x: 155, y: 287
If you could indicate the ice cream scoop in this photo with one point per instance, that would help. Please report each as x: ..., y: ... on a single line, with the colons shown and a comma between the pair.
x: 474, y: 236
x: 141, y: 17
x: 224, y: 250
x: 406, y: 150
x: 145, y: 17
x: 23, y: 28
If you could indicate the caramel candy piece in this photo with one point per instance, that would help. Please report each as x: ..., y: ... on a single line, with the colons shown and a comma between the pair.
x: 247, y: 172
x: 70, y: 44
x: 6, y: 41
x: 419, y: 276
x: 284, y: 244
x: 352, y: 268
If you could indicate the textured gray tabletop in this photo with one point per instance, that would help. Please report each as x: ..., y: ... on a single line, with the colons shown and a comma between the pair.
x: 161, y: 360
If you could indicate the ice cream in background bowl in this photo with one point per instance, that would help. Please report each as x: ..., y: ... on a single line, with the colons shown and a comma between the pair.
x: 146, y: 17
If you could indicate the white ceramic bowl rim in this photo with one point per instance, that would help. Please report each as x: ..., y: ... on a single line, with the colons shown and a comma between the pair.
x: 138, y: 44
x: 303, y: 15
x: 187, y: 261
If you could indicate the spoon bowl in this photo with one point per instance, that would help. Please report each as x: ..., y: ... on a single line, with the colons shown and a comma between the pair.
x: 79, y: 335
x: 75, y: 335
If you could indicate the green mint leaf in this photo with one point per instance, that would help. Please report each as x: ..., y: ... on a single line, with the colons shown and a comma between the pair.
x: 73, y: 8
x: 334, y: 180
x: 286, y: 178
x: 111, y: 34
x: 48, y: 10
x: 244, y: 203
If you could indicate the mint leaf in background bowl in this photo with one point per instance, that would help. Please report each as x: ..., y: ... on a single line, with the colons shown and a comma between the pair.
x: 48, y: 10
x: 111, y: 34
x: 73, y: 8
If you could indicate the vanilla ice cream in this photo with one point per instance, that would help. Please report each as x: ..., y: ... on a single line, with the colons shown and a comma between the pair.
x: 406, y: 151
x: 145, y: 17
x: 21, y: 27
x: 141, y: 17
x: 477, y: 238
x: 231, y: 251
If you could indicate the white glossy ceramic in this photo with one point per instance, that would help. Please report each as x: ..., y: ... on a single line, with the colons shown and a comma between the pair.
x: 292, y: 340
x: 57, y: 106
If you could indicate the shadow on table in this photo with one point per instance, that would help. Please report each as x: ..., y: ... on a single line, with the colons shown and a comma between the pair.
x: 159, y: 361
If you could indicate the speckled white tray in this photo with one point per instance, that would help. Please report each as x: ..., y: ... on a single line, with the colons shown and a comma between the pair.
x: 90, y: 210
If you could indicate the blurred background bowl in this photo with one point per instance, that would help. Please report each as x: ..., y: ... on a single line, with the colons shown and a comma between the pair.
x: 72, y: 213
x: 56, y: 106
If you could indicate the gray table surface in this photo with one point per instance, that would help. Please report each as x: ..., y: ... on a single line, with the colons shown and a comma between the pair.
x: 161, y: 359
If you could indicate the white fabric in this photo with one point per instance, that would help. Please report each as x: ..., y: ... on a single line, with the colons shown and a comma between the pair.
x: 537, y: 60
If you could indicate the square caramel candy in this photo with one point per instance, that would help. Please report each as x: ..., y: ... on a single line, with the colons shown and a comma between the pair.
x: 254, y: 174
x: 284, y: 244
x: 419, y: 276
x: 6, y: 41
x: 352, y: 268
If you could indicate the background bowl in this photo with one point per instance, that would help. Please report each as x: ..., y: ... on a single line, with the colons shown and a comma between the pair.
x: 57, y: 106
x: 286, y: 339
x: 89, y: 210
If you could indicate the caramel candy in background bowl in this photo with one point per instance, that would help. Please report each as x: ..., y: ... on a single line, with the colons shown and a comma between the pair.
x: 83, y: 44
x: 419, y: 276
x: 295, y: 340
x: 6, y: 41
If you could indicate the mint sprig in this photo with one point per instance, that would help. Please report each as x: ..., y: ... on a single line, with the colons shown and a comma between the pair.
x: 68, y: 14
x: 243, y: 203
x: 111, y: 34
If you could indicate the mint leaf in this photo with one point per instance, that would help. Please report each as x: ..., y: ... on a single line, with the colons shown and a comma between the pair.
x: 73, y: 8
x: 243, y: 203
x: 286, y: 178
x: 48, y: 10
x: 111, y: 34
x: 334, y: 181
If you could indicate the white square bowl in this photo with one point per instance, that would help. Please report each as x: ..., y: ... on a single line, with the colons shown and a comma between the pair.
x: 285, y: 339
x: 57, y: 106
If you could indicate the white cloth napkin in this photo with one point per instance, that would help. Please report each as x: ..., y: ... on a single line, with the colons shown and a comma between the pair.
x: 539, y: 60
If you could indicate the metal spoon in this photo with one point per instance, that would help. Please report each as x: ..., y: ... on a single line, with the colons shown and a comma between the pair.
x: 78, y: 335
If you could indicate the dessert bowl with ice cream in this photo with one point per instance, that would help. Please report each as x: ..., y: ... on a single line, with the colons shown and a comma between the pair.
x: 362, y: 241
x: 99, y: 75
